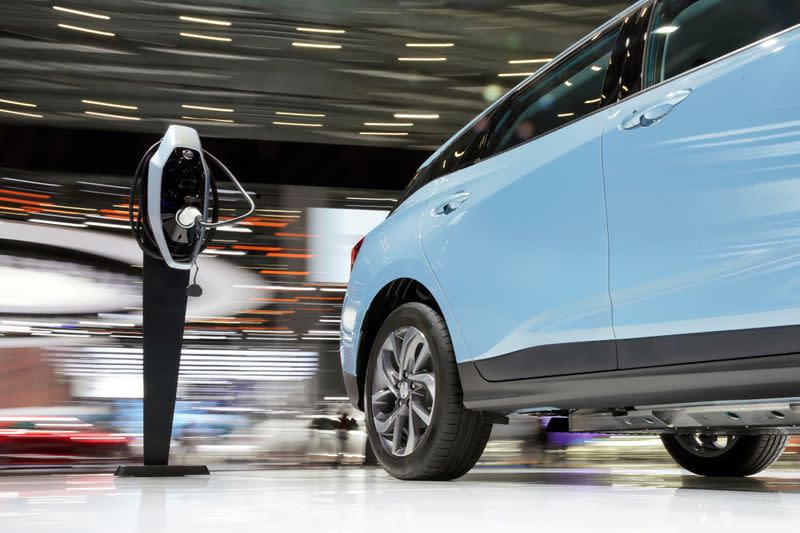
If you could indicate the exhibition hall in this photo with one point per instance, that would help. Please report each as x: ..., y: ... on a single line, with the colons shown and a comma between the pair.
x: 424, y: 265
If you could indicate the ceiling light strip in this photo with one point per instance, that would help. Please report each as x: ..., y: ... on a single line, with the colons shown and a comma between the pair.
x: 109, y: 104
x: 111, y: 115
x: 293, y: 114
x: 86, y: 30
x: 81, y: 13
x: 422, y: 116
x: 390, y: 124
x: 385, y: 133
x: 319, y: 30
x: 209, y: 119
x: 317, y: 45
x: 205, y: 37
x: 20, y: 113
x: 16, y: 102
x: 200, y: 20
x: 430, y: 45
x: 528, y: 61
x: 302, y: 124
x: 428, y: 59
x: 207, y: 108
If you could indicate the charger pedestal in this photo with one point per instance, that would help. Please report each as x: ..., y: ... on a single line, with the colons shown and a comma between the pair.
x: 164, y: 315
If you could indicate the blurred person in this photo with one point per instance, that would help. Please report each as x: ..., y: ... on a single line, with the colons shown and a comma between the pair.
x: 343, y: 427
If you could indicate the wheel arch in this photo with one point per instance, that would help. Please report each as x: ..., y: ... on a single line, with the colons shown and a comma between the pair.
x: 390, y: 297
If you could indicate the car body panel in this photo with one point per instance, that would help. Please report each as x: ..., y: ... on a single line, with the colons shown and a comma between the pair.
x: 704, y: 207
x: 532, y: 235
x: 696, y: 277
x: 390, y: 252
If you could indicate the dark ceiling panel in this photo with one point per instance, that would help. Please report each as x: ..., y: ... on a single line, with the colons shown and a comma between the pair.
x: 149, y: 65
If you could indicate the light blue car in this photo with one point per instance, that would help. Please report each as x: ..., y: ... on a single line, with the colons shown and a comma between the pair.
x: 615, y: 243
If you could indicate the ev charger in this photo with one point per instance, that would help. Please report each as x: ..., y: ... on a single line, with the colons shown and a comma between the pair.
x: 176, y: 194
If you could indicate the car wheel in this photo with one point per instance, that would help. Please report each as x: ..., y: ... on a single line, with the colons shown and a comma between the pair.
x: 416, y: 421
x: 724, y: 455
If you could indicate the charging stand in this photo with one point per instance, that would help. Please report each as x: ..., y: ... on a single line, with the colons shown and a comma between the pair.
x: 164, y: 314
x: 173, y: 213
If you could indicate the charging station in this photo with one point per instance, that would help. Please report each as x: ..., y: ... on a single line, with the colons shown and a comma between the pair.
x: 173, y: 212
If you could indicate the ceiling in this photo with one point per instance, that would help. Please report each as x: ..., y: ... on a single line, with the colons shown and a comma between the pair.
x: 142, y: 60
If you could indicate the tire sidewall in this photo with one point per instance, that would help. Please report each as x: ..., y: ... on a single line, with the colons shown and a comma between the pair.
x: 410, y: 315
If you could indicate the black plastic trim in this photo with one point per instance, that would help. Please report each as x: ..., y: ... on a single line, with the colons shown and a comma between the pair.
x: 707, y: 346
x: 351, y: 386
x: 550, y: 360
x: 735, y: 379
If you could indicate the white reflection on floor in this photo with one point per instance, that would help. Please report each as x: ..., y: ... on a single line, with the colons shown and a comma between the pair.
x: 354, y: 500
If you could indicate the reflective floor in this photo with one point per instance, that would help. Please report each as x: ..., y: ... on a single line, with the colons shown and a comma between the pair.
x: 367, y: 500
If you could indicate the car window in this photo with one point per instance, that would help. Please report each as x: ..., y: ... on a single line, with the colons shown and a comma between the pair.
x: 461, y: 152
x: 569, y: 91
x: 419, y: 179
x: 685, y: 34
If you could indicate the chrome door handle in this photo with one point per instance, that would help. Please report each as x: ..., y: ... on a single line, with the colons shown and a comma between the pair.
x: 651, y: 115
x: 451, y: 203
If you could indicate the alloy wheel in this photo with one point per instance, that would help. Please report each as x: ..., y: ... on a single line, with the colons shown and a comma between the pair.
x: 403, y: 391
x: 707, y: 445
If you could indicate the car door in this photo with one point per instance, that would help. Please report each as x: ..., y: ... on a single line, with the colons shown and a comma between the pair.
x: 702, y: 175
x: 517, y: 240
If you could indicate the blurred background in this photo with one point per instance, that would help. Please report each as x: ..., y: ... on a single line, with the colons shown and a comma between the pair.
x: 324, y: 109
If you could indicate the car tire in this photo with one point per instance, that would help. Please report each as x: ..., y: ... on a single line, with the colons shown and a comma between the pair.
x: 744, y: 456
x: 454, y: 437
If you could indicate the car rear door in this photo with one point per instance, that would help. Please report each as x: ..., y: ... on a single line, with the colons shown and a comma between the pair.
x: 517, y: 240
x: 702, y: 175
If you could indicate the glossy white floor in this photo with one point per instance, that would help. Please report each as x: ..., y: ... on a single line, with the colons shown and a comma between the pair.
x: 355, y: 500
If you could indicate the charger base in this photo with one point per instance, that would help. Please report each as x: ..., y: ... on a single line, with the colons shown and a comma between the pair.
x: 161, y: 470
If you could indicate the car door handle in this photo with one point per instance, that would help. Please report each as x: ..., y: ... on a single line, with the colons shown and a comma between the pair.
x: 451, y: 203
x: 651, y: 115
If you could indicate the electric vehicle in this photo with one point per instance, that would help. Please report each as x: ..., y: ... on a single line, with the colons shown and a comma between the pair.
x: 615, y: 242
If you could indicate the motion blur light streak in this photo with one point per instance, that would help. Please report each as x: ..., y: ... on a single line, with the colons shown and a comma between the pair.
x: 200, y: 20
x: 31, y: 182
x: 386, y: 133
x: 295, y: 114
x: 81, y: 13
x: 319, y: 30
x: 111, y: 115
x: 422, y: 116
x: 16, y: 102
x: 207, y: 108
x: 208, y: 119
x: 390, y: 124
x: 422, y: 59
x: 205, y: 37
x: 86, y: 30
x: 20, y: 113
x: 302, y: 124
x: 317, y: 45
x: 109, y: 104
x: 526, y: 61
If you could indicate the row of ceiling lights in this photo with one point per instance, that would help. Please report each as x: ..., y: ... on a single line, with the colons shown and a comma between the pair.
x: 299, y: 44
x: 192, y: 107
x: 215, y: 22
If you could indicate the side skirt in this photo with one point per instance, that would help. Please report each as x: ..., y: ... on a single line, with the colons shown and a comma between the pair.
x: 753, y: 378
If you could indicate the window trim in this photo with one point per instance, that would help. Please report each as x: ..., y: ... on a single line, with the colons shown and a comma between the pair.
x: 713, y: 61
